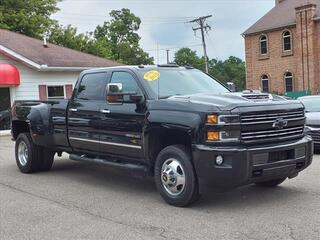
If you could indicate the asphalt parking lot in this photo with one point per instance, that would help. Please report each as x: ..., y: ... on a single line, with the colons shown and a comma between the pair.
x: 83, y: 201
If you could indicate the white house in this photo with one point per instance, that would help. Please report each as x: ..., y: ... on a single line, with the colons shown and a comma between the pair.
x: 31, y: 69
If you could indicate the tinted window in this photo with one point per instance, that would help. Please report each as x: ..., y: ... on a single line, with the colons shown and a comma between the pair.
x: 129, y: 84
x: 92, y: 87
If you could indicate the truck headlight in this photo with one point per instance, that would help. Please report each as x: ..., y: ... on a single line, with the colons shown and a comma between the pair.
x: 223, y: 119
x: 213, y: 136
x: 230, y: 136
x: 224, y: 136
x: 229, y: 119
x: 218, y: 124
x: 212, y: 119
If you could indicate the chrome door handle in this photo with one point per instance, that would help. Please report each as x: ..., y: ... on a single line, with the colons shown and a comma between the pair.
x: 73, y: 110
x: 105, y: 111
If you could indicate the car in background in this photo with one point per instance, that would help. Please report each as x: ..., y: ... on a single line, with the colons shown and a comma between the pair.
x: 312, y: 105
x: 4, y: 120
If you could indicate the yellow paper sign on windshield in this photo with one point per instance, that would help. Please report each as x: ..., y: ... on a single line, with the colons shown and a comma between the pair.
x: 152, y: 75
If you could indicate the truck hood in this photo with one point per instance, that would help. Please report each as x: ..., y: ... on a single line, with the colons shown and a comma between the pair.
x: 313, y: 118
x: 230, y: 101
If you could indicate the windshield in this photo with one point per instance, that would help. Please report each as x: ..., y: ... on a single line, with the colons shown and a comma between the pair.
x: 180, y: 81
x: 311, y: 104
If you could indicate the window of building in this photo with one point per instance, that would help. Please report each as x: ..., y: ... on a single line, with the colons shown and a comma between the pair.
x: 92, y: 87
x: 288, y: 79
x: 263, y: 45
x: 265, y: 83
x: 287, y: 41
x: 55, y: 92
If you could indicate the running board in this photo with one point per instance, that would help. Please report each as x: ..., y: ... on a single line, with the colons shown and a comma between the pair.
x: 133, y: 169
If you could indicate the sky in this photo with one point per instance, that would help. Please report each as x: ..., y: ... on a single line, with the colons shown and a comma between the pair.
x: 165, y: 22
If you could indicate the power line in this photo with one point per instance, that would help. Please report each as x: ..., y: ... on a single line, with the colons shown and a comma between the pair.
x: 107, y: 15
x: 173, y: 48
x: 96, y: 21
x: 203, y: 27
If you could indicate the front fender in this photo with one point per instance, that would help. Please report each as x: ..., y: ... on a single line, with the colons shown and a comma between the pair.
x: 160, y: 121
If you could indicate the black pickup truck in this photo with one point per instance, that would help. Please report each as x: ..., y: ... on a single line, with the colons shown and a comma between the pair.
x: 174, y: 123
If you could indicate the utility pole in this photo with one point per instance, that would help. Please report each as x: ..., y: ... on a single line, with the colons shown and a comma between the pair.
x: 168, y: 60
x: 203, y: 26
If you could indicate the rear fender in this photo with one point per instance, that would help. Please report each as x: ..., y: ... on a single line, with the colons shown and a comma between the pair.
x: 39, y: 121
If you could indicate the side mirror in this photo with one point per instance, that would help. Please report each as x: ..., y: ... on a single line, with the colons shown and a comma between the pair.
x: 114, y: 88
x: 115, y: 94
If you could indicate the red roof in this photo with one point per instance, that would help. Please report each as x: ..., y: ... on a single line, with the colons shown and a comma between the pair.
x: 282, y: 15
x: 52, y: 56
x: 9, y: 75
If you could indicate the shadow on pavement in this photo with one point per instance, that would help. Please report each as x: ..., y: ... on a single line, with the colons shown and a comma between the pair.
x: 102, y: 177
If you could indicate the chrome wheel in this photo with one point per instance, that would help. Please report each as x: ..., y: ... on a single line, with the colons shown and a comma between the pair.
x: 23, y: 153
x: 173, y: 177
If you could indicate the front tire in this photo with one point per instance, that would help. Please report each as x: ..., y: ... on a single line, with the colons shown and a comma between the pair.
x: 175, y: 176
x: 271, y: 183
x: 30, y: 157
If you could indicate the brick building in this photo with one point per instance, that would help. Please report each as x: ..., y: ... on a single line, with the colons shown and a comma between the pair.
x: 283, y: 48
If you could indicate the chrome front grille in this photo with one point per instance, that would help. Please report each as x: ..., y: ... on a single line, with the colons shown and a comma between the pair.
x: 272, y: 126
x: 271, y: 117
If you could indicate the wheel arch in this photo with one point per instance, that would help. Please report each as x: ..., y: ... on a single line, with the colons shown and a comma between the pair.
x: 34, y: 120
x: 173, y: 128
x: 18, y: 127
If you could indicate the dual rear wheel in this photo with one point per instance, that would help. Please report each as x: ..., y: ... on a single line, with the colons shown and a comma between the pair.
x: 30, y: 157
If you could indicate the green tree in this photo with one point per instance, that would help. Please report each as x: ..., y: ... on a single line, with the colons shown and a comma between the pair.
x: 121, y: 34
x: 99, y: 47
x: 187, y: 57
x: 231, y: 70
x: 31, y: 17
x: 68, y: 37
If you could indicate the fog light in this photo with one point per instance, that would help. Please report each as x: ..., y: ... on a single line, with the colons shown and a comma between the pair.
x: 219, y: 160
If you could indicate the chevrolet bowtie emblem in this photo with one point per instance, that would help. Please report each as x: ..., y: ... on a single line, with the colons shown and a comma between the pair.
x: 280, y: 123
